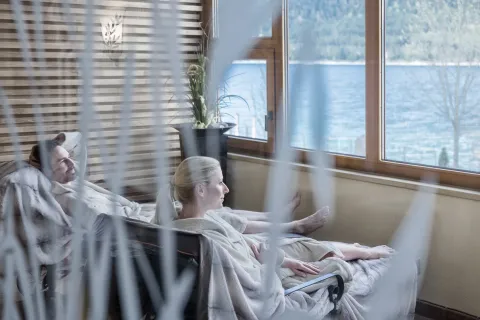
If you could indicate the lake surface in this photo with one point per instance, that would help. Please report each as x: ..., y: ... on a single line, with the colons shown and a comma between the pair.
x: 417, y: 102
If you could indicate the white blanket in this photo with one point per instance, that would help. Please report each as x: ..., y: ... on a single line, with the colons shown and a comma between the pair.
x: 25, y: 194
x: 97, y: 200
x: 236, y: 277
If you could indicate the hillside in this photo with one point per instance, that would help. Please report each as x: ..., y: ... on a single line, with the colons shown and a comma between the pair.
x: 413, y: 27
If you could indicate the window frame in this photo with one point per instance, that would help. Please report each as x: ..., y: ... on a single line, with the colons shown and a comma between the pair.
x: 374, y: 161
x: 260, y: 146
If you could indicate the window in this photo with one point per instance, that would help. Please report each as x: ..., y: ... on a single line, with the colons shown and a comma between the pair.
x: 338, y: 55
x: 432, y: 84
x: 246, y: 103
x: 249, y: 85
x: 401, y: 86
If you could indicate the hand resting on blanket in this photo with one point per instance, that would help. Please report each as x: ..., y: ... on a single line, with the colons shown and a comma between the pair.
x: 298, y: 267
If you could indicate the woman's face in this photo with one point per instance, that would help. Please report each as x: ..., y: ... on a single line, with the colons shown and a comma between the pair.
x: 214, y: 192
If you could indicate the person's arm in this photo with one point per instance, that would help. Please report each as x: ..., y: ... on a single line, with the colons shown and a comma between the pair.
x: 87, y: 215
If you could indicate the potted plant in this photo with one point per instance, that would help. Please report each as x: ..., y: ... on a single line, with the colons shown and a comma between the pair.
x: 206, y: 128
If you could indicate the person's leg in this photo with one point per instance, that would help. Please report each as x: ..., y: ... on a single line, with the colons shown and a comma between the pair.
x: 263, y: 216
x: 252, y: 215
x: 356, y: 251
x: 312, y: 222
x: 303, y: 226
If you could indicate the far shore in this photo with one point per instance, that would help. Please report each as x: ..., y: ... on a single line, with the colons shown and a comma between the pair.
x: 362, y: 63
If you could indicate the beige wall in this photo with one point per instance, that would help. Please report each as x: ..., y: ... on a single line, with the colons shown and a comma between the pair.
x: 369, y: 213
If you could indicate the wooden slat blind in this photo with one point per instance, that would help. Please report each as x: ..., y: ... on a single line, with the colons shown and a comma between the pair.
x: 60, y: 84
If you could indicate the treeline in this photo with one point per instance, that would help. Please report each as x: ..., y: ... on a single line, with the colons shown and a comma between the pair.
x: 413, y: 27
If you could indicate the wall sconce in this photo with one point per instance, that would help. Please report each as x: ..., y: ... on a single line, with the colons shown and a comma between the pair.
x: 112, y: 34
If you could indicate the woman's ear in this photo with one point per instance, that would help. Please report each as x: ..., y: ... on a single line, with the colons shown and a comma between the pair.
x: 200, y: 189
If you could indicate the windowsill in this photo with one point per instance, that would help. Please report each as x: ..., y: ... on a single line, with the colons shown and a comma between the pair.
x: 371, y: 178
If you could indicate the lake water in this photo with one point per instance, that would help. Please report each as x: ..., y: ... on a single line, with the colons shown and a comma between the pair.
x: 416, y: 128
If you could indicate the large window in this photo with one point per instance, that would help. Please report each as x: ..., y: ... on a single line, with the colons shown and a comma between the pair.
x: 432, y: 83
x: 338, y: 55
x: 399, y: 86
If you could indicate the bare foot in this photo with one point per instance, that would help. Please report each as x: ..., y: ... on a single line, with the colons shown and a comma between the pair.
x: 378, y: 252
x: 294, y: 203
x: 313, y: 222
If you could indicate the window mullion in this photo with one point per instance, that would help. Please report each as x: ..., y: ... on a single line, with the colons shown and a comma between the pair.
x: 373, y: 39
x: 279, y: 111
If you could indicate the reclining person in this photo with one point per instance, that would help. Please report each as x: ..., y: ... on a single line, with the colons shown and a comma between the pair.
x: 199, y: 187
x: 237, y: 254
x: 61, y: 170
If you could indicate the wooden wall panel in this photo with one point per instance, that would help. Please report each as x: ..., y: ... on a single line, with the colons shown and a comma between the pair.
x: 60, y: 83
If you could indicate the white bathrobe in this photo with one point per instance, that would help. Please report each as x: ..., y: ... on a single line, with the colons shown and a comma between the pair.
x: 96, y: 200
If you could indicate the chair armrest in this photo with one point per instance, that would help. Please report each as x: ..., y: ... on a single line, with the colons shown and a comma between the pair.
x: 131, y: 193
x: 335, y: 293
x: 316, y: 280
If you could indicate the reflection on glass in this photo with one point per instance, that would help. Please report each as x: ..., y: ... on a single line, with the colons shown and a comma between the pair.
x: 339, y: 53
x: 432, y: 84
x: 246, y: 81
x: 264, y: 31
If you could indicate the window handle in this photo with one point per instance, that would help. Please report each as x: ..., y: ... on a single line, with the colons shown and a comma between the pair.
x: 268, y: 117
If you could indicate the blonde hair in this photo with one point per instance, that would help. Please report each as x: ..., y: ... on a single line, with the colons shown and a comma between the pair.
x: 189, y: 173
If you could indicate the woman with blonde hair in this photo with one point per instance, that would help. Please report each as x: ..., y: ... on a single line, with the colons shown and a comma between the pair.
x: 199, y: 188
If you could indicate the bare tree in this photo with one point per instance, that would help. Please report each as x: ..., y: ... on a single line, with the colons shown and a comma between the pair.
x: 258, y: 94
x: 446, y: 36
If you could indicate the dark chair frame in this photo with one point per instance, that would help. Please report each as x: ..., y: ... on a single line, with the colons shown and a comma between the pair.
x: 188, y: 255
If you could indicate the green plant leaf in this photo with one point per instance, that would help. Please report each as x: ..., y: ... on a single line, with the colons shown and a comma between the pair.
x: 222, y: 98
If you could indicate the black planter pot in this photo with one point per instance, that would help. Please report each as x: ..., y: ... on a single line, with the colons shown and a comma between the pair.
x: 210, y: 142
